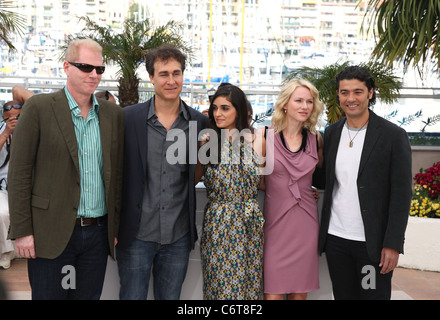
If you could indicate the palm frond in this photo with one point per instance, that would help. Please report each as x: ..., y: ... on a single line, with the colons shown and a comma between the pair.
x: 407, y: 31
x: 10, y: 22
x: 128, y: 48
x: 388, y: 85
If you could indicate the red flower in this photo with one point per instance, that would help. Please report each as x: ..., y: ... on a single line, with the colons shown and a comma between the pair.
x: 431, y: 179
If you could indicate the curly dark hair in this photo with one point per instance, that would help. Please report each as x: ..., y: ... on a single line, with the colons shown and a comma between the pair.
x: 361, y: 74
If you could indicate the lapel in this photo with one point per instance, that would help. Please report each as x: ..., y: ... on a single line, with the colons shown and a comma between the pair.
x: 371, y: 137
x: 62, y: 113
x: 105, y: 128
x: 332, y: 146
x: 193, y: 142
x: 140, y: 123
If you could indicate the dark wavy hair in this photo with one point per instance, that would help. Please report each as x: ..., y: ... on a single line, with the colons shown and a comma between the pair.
x: 361, y: 74
x: 238, y: 99
x: 164, y: 53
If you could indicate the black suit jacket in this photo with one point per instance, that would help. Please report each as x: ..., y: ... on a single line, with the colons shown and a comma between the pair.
x: 135, y: 164
x: 384, y: 184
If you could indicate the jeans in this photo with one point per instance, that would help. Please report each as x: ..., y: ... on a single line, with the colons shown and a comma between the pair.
x: 78, y: 273
x: 354, y: 276
x: 169, y: 263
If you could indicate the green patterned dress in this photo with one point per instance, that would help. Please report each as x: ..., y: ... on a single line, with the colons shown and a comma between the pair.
x: 232, y: 238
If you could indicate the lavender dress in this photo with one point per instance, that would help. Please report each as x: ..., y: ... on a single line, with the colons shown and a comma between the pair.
x: 291, y: 213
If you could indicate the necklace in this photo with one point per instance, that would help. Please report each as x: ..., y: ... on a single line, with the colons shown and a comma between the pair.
x: 350, y: 144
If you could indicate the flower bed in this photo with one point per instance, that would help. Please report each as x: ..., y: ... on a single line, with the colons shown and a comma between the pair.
x: 426, y: 198
x: 422, y: 235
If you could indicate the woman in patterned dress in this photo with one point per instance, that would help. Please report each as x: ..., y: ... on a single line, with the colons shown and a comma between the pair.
x: 232, y: 237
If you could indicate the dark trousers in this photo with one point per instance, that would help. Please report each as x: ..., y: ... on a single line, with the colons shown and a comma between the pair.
x: 353, y: 274
x: 78, y: 273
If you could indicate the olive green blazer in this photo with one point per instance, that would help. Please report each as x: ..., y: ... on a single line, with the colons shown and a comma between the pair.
x: 44, y: 179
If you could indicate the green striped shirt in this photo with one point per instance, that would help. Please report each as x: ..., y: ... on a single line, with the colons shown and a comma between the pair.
x: 92, y: 201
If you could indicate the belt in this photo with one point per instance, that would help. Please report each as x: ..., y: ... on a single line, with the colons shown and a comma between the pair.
x: 85, y: 222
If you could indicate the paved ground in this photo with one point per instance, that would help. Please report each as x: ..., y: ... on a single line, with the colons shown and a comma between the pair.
x: 408, y: 284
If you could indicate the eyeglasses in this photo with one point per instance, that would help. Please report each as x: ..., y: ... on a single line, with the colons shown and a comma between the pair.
x: 84, y: 67
x: 15, y: 106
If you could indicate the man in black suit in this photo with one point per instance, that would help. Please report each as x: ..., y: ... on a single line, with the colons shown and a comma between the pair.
x: 157, y: 226
x: 368, y: 193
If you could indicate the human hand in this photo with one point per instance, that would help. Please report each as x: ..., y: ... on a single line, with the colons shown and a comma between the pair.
x: 10, y: 125
x: 25, y: 247
x: 204, y: 139
x: 315, y: 193
x: 388, y: 260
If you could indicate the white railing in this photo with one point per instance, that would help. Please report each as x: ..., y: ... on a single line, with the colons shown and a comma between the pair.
x: 193, y: 89
x: 46, y: 83
x: 262, y: 97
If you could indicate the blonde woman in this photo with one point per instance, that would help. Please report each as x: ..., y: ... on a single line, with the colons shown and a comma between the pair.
x: 290, y: 208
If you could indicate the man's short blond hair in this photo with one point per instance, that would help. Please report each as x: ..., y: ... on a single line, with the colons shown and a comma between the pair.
x: 72, y: 52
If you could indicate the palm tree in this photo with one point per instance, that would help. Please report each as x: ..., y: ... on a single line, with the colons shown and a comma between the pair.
x: 388, y: 85
x: 10, y: 22
x: 406, y: 30
x: 128, y: 48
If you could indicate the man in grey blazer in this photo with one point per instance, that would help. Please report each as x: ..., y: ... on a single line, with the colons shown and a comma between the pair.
x: 367, y: 195
x: 65, y: 180
x: 157, y: 229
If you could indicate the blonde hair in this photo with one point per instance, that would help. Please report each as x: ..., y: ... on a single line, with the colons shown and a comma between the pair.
x: 279, y: 118
x: 72, y: 51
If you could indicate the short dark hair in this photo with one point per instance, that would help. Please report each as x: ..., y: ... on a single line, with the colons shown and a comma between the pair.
x: 164, y: 53
x: 361, y: 74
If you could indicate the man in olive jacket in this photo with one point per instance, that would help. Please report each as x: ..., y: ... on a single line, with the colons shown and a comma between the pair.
x: 65, y: 178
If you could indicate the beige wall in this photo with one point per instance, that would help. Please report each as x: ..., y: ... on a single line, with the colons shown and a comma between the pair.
x: 424, y: 157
